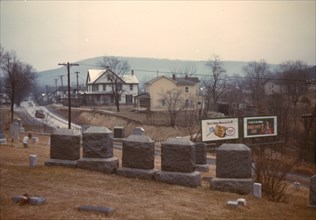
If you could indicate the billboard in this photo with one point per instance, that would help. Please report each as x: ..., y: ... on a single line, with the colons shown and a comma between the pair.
x: 219, y: 129
x: 264, y: 126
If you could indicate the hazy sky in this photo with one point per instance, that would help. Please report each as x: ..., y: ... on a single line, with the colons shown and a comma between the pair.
x: 45, y: 33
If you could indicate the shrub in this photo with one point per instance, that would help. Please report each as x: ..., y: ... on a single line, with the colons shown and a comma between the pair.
x: 271, y: 172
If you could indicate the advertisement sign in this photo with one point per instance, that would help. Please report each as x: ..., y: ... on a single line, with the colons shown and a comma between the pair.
x: 219, y: 129
x: 260, y: 126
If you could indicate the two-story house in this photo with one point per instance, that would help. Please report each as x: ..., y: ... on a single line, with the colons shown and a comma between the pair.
x: 155, y: 89
x: 100, y: 84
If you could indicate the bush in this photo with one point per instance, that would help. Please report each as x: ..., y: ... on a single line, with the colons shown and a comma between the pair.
x: 271, y: 172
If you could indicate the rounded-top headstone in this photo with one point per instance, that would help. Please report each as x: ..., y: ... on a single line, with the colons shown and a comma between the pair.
x: 233, y: 161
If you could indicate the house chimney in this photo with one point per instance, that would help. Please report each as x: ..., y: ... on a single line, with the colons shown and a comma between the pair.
x: 132, y: 72
x: 174, y: 76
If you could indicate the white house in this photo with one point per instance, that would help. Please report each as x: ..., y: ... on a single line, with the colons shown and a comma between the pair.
x: 100, y: 91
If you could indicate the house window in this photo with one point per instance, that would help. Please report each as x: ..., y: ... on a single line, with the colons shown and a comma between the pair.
x: 163, y: 102
x: 131, y: 87
x: 186, y: 89
x: 95, y: 88
x: 186, y: 104
x: 129, y: 99
x: 104, y: 87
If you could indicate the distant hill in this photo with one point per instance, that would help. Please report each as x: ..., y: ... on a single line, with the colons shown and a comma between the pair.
x: 144, y: 68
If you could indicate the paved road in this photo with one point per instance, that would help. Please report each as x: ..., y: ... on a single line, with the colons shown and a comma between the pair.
x: 27, y: 114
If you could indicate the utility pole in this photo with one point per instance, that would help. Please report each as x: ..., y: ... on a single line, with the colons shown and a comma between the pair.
x: 77, y: 73
x: 56, y: 84
x: 61, y: 80
x: 69, y: 98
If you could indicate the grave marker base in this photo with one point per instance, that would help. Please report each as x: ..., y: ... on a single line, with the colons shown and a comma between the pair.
x: 241, y: 186
x: 63, y: 163
x: 105, y: 165
x: 136, y: 173
x: 192, y: 179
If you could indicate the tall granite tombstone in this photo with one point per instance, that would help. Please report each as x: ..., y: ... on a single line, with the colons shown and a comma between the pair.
x: 64, y: 148
x: 97, y: 155
x: 138, y: 157
x: 312, y: 192
x: 233, y: 169
x: 200, y: 157
x: 178, y: 163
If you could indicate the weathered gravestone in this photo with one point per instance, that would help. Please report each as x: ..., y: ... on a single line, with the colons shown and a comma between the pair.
x: 138, y: 157
x: 233, y: 169
x: 312, y: 192
x: 138, y: 131
x: 119, y: 132
x: 64, y: 148
x: 178, y: 163
x: 200, y: 157
x: 98, y: 150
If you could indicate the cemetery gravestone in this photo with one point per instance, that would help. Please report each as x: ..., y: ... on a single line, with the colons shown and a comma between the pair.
x: 138, y: 157
x: 312, y: 192
x: 64, y: 148
x: 201, y: 157
x: 233, y: 169
x: 98, y: 150
x: 119, y: 132
x: 178, y: 163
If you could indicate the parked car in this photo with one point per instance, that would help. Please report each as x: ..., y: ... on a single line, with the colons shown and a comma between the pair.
x: 39, y: 114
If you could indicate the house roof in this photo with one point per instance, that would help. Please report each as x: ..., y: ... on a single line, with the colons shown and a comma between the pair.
x: 143, y: 96
x: 159, y: 77
x: 95, y: 74
x: 187, y: 81
x: 130, y: 79
x: 182, y: 81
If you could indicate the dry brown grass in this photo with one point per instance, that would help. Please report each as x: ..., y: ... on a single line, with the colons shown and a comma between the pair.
x: 66, y: 189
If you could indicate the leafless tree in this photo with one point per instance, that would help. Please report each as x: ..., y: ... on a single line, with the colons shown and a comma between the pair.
x: 257, y: 74
x: 18, y: 78
x: 294, y: 74
x: 173, y: 102
x: 117, y: 88
x: 118, y: 68
x: 216, y: 86
x: 187, y: 70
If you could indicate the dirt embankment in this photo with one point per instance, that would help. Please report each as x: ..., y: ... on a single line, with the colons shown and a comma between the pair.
x: 110, y: 120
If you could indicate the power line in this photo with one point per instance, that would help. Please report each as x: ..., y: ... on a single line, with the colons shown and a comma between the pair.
x: 207, y: 75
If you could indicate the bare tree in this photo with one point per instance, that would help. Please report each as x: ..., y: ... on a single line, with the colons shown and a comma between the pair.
x: 173, y: 102
x: 117, y: 68
x: 257, y: 74
x: 187, y: 70
x: 18, y: 78
x: 117, y: 88
x: 216, y: 85
x: 294, y: 74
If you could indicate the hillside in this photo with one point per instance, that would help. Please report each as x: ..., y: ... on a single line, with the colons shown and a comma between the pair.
x: 144, y: 68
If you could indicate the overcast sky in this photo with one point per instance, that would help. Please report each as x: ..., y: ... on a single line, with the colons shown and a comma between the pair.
x: 45, y: 33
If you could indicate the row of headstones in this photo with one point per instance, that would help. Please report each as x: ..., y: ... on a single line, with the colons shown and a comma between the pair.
x: 180, y: 158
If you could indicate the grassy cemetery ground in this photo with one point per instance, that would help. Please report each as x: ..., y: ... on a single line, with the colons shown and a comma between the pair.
x: 65, y: 189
